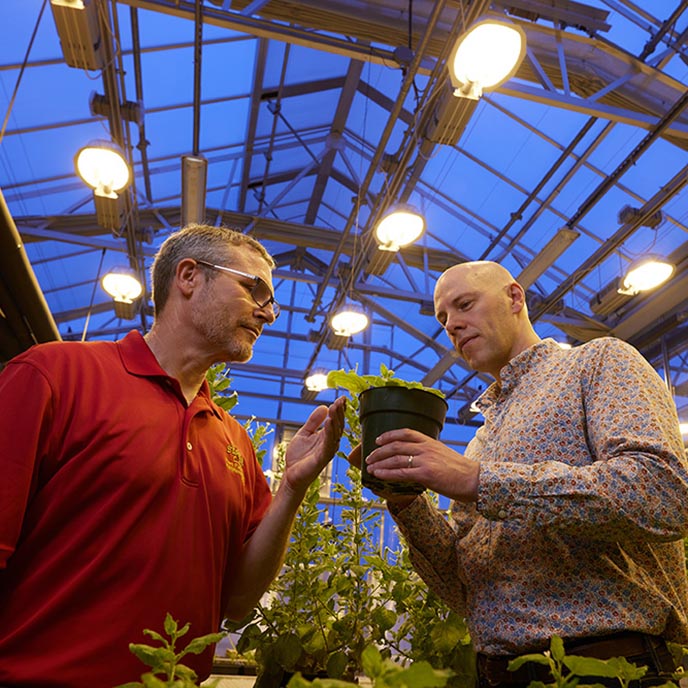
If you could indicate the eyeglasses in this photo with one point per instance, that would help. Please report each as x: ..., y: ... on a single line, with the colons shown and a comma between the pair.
x: 260, y: 291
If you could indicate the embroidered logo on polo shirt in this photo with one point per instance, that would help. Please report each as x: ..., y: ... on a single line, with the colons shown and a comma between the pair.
x: 235, y: 461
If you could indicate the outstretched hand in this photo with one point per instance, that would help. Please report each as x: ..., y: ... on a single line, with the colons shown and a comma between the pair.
x: 314, y: 445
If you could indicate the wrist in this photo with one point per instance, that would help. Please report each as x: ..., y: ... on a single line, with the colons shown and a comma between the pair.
x: 397, y: 503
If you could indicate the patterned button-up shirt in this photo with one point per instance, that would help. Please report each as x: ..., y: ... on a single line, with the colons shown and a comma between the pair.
x: 582, y: 505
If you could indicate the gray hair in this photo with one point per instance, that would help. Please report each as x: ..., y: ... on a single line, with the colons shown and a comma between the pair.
x: 202, y: 242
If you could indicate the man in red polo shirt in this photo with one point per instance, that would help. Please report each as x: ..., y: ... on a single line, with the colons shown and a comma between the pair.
x: 126, y: 492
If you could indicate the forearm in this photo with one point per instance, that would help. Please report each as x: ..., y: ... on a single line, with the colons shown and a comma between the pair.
x: 309, y: 451
x: 627, y: 497
x: 263, y: 554
x: 432, y: 549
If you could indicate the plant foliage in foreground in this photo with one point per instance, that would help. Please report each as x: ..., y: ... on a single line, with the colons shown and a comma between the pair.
x: 384, y: 673
x: 164, y: 661
x: 570, y: 671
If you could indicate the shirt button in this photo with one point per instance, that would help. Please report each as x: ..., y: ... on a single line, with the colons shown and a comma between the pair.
x: 189, y: 446
x: 502, y: 513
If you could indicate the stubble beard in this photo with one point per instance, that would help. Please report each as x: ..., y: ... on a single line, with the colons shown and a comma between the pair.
x: 227, y: 338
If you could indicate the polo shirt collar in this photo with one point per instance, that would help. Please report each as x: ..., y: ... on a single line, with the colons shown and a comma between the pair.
x: 138, y: 359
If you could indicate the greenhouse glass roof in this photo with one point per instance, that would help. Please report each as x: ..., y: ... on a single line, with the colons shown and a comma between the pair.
x: 314, y: 118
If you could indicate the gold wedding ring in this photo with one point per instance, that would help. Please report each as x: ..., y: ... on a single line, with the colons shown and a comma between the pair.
x: 410, y: 461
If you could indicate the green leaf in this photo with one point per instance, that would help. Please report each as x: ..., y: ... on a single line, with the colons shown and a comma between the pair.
x: 198, y: 645
x: 298, y: 681
x: 589, y: 666
x: 332, y: 683
x: 227, y: 403
x: 249, y: 638
x: 151, y: 681
x: 170, y: 625
x: 556, y: 647
x: 287, y: 650
x: 336, y: 664
x: 314, y: 644
x: 422, y: 675
x: 184, y: 672
x: 616, y: 667
x: 152, y: 656
x: 350, y: 381
x: 384, y: 618
x: 445, y: 636
x: 371, y: 659
x: 518, y: 662
x: 355, y: 383
x: 155, y: 636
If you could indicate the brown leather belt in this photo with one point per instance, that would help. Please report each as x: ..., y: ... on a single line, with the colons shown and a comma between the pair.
x: 640, y: 648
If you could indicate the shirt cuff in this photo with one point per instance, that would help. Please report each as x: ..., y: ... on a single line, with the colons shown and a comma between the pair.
x: 504, y: 491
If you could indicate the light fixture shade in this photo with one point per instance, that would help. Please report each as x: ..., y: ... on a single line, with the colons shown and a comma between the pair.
x: 316, y: 382
x: 349, y: 320
x: 122, y: 285
x: 683, y: 427
x: 401, y: 226
x: 486, y: 56
x: 646, y: 274
x: 102, y: 166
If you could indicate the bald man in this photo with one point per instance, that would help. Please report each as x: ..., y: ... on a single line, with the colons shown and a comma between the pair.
x: 569, y: 505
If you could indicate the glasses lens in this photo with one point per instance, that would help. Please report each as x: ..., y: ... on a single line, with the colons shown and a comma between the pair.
x: 263, y: 296
x: 261, y: 293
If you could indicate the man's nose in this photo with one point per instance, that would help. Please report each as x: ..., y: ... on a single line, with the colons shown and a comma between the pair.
x: 454, y: 322
x: 267, y: 312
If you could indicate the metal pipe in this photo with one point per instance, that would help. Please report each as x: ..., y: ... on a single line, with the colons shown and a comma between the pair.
x: 198, y: 52
x: 138, y: 80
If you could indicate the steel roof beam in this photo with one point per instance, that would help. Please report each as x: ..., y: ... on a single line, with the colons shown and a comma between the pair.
x: 586, y: 163
x: 668, y: 191
x: 268, y: 29
x: 83, y: 230
x: 346, y: 98
x: 571, y: 13
x: 586, y: 106
x: 252, y: 124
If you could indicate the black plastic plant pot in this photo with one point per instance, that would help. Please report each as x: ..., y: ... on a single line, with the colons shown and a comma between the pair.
x: 390, y: 408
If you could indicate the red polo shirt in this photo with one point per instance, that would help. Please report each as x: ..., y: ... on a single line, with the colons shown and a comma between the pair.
x: 118, y: 503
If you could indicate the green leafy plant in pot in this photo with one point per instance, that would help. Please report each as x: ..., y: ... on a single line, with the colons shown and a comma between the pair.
x: 384, y: 402
x: 338, y: 594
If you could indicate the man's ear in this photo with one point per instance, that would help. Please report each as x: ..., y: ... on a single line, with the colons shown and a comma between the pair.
x: 186, y: 276
x: 518, y: 297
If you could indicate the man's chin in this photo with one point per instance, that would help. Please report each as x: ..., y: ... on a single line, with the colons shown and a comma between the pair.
x: 243, y: 356
x: 238, y: 356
